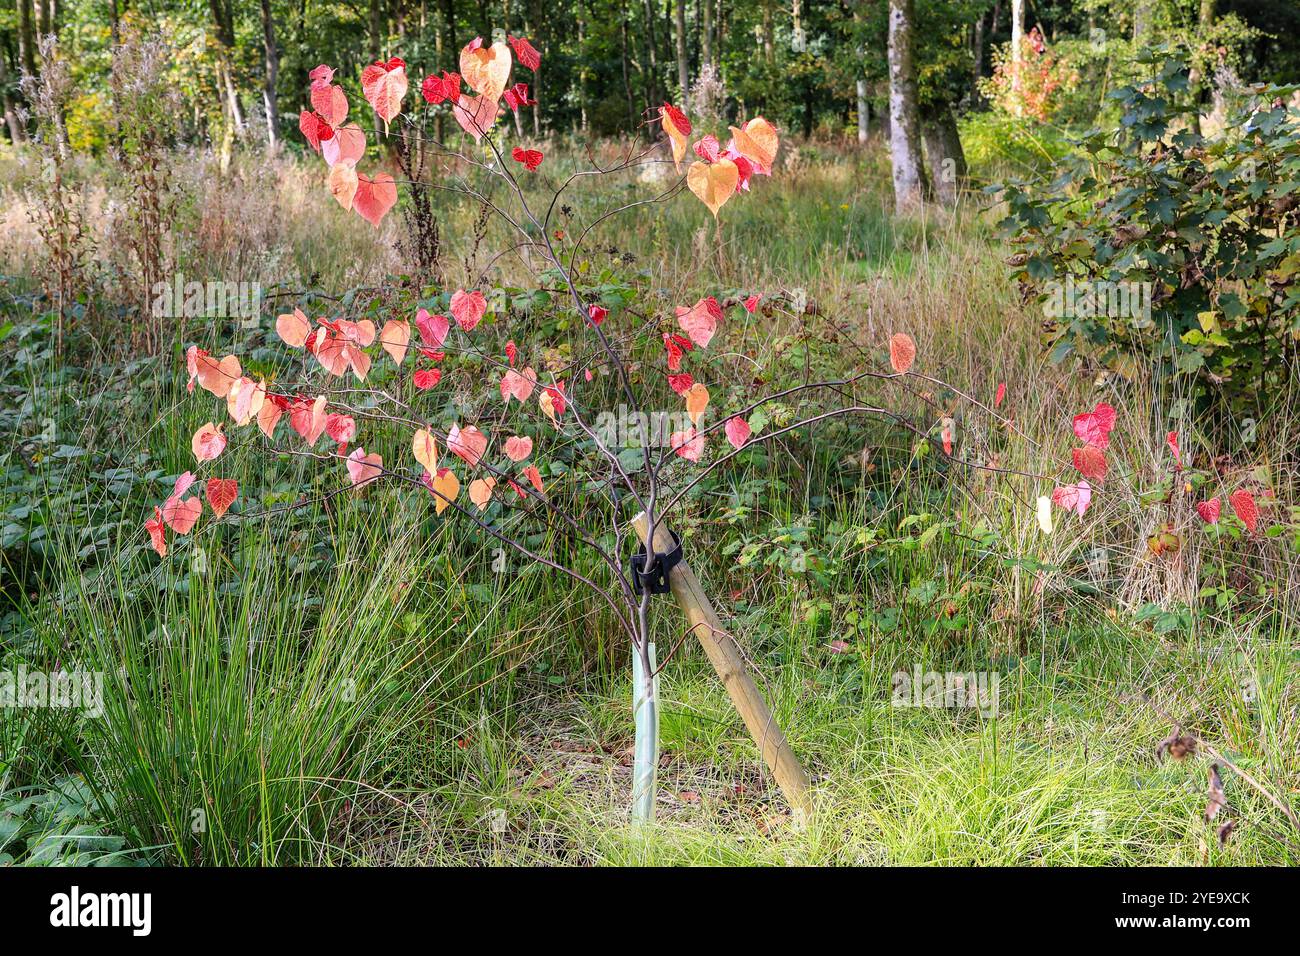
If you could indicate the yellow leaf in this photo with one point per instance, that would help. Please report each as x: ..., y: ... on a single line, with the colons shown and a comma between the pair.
x: 713, y: 184
x: 1209, y: 321
x: 1045, y: 513
x: 425, y: 449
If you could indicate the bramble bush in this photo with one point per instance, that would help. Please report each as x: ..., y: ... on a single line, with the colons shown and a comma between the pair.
x: 1207, y: 226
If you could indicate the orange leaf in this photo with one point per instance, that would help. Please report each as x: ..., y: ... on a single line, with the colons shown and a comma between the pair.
x: 343, y: 184
x: 293, y: 327
x: 217, y: 377
x: 268, y: 418
x: 480, y: 491
x: 395, y: 338
x: 445, y: 488
x: 534, y: 477
x: 758, y: 143
x: 678, y: 128
x: 486, y: 70
x: 181, y: 516
x: 245, y: 400
x: 902, y: 352
x: 697, y: 400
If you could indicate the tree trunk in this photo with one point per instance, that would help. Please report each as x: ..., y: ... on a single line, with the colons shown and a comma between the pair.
x: 683, y: 63
x: 26, y: 37
x: 652, y: 56
x: 945, y: 157
x: 706, y: 34
x: 272, y: 60
x: 627, y: 76
x: 16, y: 132
x: 769, y: 34
x: 977, y: 61
x: 905, y: 136
x: 1197, y: 78
x: 375, y: 21
x: 1143, y: 12
x: 225, y: 34
x: 43, y: 12
x: 864, y: 116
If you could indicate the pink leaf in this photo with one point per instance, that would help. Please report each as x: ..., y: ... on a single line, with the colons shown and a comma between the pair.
x: 517, y: 385
x: 468, y: 308
x: 384, y: 85
x: 374, y: 197
x: 469, y: 443
x: 518, y: 447
x: 363, y: 468
x: 341, y: 428
x: 687, y: 444
x: 346, y: 146
x: 182, y: 515
x: 433, y: 328
x: 208, y: 442
x: 700, y: 321
x: 737, y: 431
x: 1073, y: 497
x: 902, y: 352
x: 475, y: 114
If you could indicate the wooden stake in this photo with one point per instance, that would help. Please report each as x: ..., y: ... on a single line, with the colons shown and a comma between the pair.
x: 727, y: 660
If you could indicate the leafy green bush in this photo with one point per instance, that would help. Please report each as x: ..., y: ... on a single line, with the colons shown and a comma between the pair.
x: 1158, y: 246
